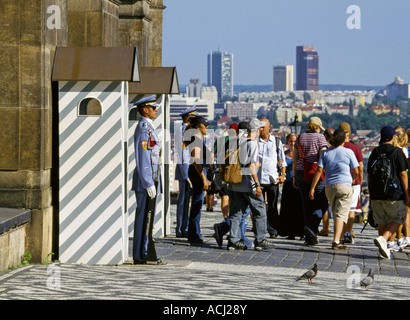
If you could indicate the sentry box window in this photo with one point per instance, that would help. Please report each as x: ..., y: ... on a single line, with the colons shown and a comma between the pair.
x: 90, y: 107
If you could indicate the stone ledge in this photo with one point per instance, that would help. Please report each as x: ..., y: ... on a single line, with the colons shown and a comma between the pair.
x: 11, y: 218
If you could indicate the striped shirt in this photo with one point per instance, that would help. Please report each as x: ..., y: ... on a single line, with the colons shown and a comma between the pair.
x: 311, y: 143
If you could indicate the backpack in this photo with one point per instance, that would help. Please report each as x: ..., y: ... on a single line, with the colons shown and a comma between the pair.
x: 230, y: 170
x: 381, y: 173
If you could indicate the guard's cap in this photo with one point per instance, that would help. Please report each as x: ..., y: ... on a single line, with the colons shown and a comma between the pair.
x: 150, y: 101
x: 188, y: 111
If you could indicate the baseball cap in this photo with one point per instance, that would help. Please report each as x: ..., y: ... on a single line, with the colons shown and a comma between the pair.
x: 345, y: 127
x: 387, y: 133
x: 256, y: 124
x: 233, y: 126
x: 197, y: 120
x: 316, y: 121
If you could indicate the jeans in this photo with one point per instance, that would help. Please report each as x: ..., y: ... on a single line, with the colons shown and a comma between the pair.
x: 183, y: 207
x: 313, y: 210
x: 238, y: 208
x: 243, y: 225
x: 197, y: 200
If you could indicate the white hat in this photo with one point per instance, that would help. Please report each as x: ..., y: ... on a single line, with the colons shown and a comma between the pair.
x: 256, y: 124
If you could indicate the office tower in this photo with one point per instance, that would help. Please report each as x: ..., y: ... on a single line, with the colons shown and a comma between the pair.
x: 283, y: 78
x: 220, y: 73
x: 307, y: 68
x: 194, y: 88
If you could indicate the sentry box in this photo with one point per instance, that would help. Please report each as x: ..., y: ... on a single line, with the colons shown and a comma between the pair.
x: 95, y: 149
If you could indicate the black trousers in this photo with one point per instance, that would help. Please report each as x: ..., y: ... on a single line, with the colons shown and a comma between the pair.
x: 271, y: 194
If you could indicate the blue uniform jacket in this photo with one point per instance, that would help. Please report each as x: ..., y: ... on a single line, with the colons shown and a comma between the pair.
x: 182, y: 155
x: 147, y: 155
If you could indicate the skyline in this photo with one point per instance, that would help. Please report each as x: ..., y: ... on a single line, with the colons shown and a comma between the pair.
x: 265, y: 34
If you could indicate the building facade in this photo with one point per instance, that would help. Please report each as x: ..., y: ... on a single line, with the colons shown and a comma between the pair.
x: 179, y: 103
x: 398, y: 88
x: 194, y: 88
x: 283, y: 78
x: 240, y: 110
x: 307, y: 68
x: 220, y: 73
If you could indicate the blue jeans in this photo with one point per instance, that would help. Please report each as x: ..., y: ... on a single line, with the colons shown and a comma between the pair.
x: 313, y: 210
x: 197, y: 200
x: 243, y: 225
x: 183, y: 207
x: 238, y: 209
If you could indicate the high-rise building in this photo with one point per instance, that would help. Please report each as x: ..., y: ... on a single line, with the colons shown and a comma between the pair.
x: 220, y: 73
x: 283, y: 78
x: 194, y: 88
x: 307, y: 68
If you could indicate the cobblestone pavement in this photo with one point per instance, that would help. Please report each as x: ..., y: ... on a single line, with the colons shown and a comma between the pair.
x: 207, y: 272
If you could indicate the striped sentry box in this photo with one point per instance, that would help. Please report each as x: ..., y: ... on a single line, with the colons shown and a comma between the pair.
x: 91, y: 174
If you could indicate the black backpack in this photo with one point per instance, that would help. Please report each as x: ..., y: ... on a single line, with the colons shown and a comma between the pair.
x: 381, y: 173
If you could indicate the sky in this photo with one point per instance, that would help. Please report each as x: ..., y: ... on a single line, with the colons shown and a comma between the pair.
x: 264, y: 33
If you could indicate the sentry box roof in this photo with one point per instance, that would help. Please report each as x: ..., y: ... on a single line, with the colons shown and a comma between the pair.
x: 156, y: 80
x: 96, y: 64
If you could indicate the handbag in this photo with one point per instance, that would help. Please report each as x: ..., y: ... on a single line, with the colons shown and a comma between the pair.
x: 309, y: 168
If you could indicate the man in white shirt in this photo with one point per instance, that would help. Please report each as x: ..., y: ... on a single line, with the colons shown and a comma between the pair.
x: 271, y: 174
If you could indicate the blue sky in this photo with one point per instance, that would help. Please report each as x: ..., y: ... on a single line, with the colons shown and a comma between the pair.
x: 264, y: 33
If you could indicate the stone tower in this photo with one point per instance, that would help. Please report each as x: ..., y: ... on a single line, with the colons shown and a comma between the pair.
x: 30, y: 31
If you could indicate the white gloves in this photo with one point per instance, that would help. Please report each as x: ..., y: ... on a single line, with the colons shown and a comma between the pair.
x: 152, y: 192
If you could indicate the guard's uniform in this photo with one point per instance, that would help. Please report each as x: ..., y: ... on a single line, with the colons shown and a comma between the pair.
x: 181, y: 174
x: 146, y: 174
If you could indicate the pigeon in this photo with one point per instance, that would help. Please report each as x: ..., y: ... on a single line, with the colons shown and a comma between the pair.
x: 368, y: 280
x: 310, y: 274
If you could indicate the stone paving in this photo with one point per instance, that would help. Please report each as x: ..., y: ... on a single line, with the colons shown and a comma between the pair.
x: 207, y: 272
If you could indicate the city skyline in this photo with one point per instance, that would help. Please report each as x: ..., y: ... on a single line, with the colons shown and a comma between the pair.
x: 266, y: 34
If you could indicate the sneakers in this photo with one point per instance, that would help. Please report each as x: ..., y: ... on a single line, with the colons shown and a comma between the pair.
x: 239, y: 245
x: 263, y: 245
x: 381, y: 243
x: 402, y: 243
x: 348, y: 238
x: 392, y: 246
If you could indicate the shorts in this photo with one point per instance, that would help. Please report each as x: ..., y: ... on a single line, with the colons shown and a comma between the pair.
x: 385, y: 211
x: 355, y: 206
x: 340, y: 199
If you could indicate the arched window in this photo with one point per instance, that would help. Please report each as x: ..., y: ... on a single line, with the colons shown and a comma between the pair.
x: 90, y: 107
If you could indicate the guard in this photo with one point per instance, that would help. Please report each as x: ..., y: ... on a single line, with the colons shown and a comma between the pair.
x: 181, y: 174
x: 146, y: 181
